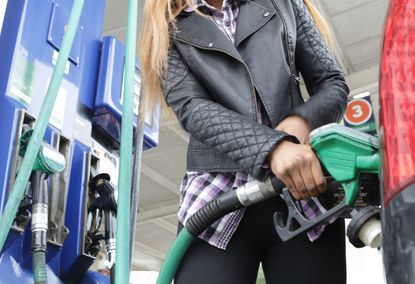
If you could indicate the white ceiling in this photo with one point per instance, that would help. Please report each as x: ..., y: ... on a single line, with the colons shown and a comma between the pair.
x: 357, y: 28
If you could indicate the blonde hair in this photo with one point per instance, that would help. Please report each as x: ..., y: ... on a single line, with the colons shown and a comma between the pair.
x: 320, y: 23
x: 154, y: 44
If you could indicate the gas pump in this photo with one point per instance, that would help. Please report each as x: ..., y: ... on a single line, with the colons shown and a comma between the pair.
x: 81, y: 129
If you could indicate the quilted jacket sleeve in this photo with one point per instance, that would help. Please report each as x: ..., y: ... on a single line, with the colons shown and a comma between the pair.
x: 240, y: 138
x: 322, y: 75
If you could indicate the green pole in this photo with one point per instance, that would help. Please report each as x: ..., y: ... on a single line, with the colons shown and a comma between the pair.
x: 22, y: 178
x: 122, y: 267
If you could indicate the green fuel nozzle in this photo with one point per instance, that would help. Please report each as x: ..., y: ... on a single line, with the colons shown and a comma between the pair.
x: 48, y: 159
x: 346, y: 154
x: 48, y: 162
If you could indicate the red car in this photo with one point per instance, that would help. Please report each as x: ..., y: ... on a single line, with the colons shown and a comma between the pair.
x: 397, y: 132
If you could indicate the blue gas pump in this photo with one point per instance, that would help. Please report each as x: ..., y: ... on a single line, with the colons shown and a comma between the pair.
x: 80, y: 129
x: 108, y: 101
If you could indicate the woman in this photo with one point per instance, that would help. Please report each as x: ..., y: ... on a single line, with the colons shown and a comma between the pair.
x: 230, y: 71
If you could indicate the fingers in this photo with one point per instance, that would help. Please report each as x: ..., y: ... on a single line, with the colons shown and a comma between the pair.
x: 309, y: 182
x: 318, y: 176
x: 299, y: 169
x: 300, y: 186
x: 292, y: 175
x: 289, y: 183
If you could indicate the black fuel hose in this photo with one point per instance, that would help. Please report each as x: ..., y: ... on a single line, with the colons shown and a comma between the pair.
x: 213, y: 211
x: 39, y: 225
x: 135, y: 190
x: 243, y: 196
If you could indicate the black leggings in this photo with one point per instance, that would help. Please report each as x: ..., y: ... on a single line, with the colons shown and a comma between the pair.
x: 297, y: 261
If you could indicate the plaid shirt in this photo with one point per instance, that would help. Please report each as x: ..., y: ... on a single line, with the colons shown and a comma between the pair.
x: 198, y: 188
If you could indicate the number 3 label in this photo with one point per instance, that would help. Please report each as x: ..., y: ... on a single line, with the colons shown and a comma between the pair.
x: 358, y: 112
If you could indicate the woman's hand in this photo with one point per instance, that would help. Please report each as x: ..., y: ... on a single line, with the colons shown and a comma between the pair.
x: 296, y: 165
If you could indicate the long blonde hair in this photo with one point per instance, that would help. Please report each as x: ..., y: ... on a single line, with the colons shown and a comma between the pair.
x: 154, y: 43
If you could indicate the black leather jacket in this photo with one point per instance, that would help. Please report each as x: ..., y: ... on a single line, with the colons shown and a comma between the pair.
x: 211, y: 84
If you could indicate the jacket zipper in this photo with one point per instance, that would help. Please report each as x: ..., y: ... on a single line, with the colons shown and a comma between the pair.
x: 256, y: 109
x: 284, y: 24
x: 293, y: 73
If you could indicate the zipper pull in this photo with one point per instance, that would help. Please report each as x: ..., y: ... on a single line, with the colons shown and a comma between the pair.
x: 297, y: 78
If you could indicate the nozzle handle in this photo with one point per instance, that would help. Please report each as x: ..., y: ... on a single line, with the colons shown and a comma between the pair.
x: 295, y: 223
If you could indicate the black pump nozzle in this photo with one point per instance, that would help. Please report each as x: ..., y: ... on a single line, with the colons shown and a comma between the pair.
x: 107, y: 203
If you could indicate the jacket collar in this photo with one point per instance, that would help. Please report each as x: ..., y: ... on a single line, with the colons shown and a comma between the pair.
x: 202, y: 32
x: 252, y: 16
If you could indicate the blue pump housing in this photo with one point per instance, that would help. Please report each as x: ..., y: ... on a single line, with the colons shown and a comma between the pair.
x: 88, y: 104
x: 89, y: 99
x: 108, y: 102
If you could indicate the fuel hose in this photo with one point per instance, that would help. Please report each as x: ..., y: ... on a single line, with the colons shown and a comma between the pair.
x: 39, y: 225
x: 248, y: 194
x: 122, y: 255
x: 138, y: 150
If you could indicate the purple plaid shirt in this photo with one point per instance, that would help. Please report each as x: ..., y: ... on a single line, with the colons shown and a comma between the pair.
x: 198, y: 188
